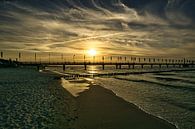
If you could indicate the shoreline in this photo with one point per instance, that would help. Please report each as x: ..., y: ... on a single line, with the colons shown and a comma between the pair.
x: 55, y: 107
x: 140, y: 108
x: 115, y: 95
x: 114, y: 104
x: 82, y: 98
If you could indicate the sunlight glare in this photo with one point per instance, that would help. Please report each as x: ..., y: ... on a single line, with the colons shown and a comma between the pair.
x: 92, y: 52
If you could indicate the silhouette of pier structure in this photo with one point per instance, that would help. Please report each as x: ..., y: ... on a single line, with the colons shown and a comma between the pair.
x: 118, y: 64
x: 118, y: 61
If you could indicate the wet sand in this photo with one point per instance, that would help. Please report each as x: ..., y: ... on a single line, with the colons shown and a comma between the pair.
x: 100, y: 108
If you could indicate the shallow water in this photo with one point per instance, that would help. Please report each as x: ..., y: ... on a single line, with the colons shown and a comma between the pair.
x: 169, y: 95
x: 75, y: 87
x: 172, y: 100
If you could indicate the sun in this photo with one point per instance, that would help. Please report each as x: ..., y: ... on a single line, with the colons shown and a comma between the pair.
x: 92, y: 52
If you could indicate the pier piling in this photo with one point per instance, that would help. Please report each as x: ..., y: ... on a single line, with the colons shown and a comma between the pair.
x: 85, y: 67
x: 64, y: 67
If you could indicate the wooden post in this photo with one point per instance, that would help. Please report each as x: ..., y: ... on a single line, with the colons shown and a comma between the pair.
x: 129, y: 66
x: 142, y: 66
x: 133, y: 66
x: 85, y: 67
x: 64, y: 67
x: 103, y: 66
x: 159, y: 65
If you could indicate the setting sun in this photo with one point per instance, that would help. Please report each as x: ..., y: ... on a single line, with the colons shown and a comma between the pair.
x: 92, y: 52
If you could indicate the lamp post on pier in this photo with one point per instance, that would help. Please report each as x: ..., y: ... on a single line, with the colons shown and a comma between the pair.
x: 103, y: 62
x: 49, y: 58
x: 19, y: 56
x: 62, y: 57
x: 111, y: 58
x: 1, y: 54
x: 93, y: 58
x: 35, y: 57
x: 84, y: 58
x: 73, y: 58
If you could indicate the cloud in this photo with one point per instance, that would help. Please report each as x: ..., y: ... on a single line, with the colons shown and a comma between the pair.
x: 128, y: 27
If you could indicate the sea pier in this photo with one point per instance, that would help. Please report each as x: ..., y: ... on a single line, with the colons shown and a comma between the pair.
x: 119, y: 62
x: 118, y: 65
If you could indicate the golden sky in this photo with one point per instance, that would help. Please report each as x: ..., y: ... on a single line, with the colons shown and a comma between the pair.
x: 110, y: 28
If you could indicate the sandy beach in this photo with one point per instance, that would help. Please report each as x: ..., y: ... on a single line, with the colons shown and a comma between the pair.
x: 29, y: 99
x: 37, y: 100
x: 100, y: 108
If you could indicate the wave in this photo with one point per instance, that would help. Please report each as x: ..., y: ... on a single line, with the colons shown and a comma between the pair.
x: 158, y: 84
x: 165, y: 74
x: 185, y: 105
x: 175, y: 79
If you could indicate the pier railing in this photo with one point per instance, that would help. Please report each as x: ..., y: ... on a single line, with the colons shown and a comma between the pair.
x: 117, y: 64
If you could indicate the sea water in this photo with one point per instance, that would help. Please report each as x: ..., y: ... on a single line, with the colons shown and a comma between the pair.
x: 168, y: 95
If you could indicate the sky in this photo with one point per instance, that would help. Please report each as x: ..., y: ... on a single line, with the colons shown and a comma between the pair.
x: 111, y: 27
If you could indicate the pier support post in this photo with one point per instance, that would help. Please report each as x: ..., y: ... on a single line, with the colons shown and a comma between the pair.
x: 167, y: 66
x: 38, y: 67
x: 64, y: 67
x: 85, y: 67
x: 133, y: 66
x: 120, y: 66
x: 103, y: 66
x: 142, y: 66
x: 159, y: 65
x: 151, y: 65
x: 129, y: 66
